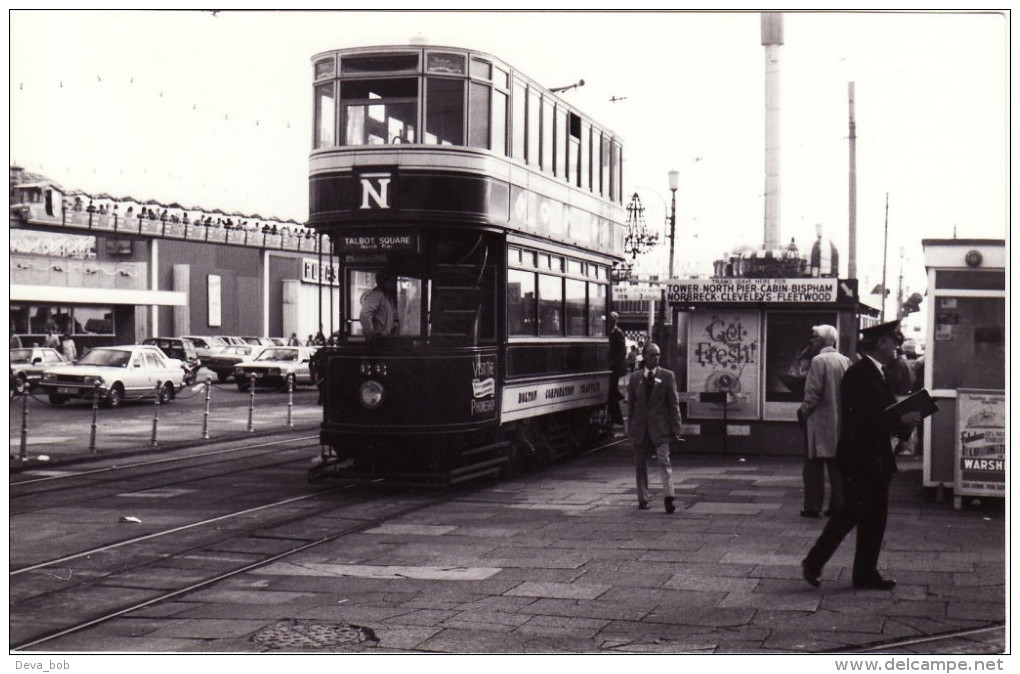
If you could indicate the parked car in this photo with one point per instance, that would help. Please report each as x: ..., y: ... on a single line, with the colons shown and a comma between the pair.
x: 229, y: 357
x: 258, y: 341
x: 206, y: 345
x: 182, y: 349
x: 122, y: 372
x: 277, y: 366
x: 27, y: 365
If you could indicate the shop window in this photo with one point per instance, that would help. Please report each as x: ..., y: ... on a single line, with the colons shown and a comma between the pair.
x: 788, y: 339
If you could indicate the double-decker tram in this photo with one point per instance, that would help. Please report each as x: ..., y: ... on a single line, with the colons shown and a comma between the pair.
x: 473, y: 218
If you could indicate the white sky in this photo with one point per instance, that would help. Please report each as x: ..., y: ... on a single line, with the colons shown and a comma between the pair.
x: 215, y: 111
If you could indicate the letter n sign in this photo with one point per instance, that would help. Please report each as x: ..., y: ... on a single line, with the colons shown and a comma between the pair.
x: 375, y: 190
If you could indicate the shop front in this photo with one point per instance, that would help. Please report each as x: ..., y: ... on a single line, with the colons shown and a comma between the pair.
x: 965, y: 367
x: 741, y: 347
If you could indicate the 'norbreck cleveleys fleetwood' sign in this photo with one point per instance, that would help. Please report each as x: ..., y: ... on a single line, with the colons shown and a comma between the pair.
x: 752, y: 290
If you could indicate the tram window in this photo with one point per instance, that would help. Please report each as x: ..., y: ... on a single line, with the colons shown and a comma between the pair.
x: 479, y: 116
x: 325, y: 116
x: 604, y: 165
x: 499, y: 114
x: 534, y: 128
x: 519, y: 128
x: 408, y: 302
x: 597, y: 307
x: 379, y: 64
x: 501, y: 78
x: 520, y: 302
x: 550, y: 305
x: 325, y: 68
x: 452, y: 64
x: 444, y: 112
x: 560, y: 139
x: 576, y: 296
x: 481, y: 69
x: 379, y: 111
x: 548, y: 117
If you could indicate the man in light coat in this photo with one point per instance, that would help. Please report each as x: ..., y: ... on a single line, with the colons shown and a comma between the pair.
x: 820, y: 412
x: 654, y: 419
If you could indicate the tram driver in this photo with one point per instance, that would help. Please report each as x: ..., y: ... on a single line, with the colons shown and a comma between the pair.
x: 378, y: 307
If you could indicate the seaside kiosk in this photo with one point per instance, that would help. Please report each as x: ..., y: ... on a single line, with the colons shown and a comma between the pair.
x: 965, y: 368
x: 741, y: 347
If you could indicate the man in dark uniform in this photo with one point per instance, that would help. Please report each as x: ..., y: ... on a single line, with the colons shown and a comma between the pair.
x: 866, y: 461
x: 617, y: 365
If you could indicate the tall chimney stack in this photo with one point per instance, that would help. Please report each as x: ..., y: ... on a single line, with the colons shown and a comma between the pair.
x: 771, y: 39
x: 852, y: 264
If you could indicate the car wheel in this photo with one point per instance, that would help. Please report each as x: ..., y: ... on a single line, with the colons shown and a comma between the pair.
x: 114, y: 397
x: 57, y: 400
x: 20, y: 386
x: 166, y: 393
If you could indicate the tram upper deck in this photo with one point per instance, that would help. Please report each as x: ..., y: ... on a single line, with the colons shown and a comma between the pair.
x: 440, y: 135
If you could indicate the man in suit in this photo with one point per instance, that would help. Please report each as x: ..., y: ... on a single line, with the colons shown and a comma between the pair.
x: 654, y: 419
x: 866, y: 461
x: 820, y: 412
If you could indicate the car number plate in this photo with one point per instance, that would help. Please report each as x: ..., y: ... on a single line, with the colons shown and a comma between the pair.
x: 66, y: 389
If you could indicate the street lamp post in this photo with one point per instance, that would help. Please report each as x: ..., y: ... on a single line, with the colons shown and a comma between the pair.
x: 674, y: 183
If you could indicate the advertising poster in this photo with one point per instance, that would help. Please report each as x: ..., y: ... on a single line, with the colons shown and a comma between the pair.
x: 980, y: 443
x: 725, y: 356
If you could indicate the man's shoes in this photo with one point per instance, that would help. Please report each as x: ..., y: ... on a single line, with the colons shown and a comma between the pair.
x: 642, y: 505
x: 811, y: 575
x: 877, y: 583
x: 670, y: 508
x: 809, y: 513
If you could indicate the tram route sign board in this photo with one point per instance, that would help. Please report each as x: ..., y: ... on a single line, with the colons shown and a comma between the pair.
x: 391, y: 242
x: 755, y: 291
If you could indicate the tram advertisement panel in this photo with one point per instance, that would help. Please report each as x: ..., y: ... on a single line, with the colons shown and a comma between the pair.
x: 725, y: 357
x: 980, y: 443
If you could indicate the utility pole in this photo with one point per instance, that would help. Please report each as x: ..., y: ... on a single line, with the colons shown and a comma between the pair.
x: 899, y: 289
x: 885, y: 246
x: 852, y: 265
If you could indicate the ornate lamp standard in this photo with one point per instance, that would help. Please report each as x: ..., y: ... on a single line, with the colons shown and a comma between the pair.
x: 674, y: 184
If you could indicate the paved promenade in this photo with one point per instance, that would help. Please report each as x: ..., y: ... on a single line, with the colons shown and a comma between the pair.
x: 564, y: 562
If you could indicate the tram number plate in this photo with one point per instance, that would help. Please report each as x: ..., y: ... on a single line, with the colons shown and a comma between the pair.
x: 66, y: 389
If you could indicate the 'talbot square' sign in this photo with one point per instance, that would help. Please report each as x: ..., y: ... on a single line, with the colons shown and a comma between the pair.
x: 752, y: 290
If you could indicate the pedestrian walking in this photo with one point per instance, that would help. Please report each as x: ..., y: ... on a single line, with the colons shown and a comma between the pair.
x: 293, y: 341
x: 820, y: 415
x: 68, y: 348
x: 617, y: 367
x: 654, y: 409
x: 865, y: 459
x: 52, y: 340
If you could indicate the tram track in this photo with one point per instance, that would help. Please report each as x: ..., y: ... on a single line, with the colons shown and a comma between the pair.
x: 135, y: 479
x: 216, y: 575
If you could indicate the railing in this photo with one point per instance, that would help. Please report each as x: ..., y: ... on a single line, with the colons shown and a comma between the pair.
x: 217, y: 233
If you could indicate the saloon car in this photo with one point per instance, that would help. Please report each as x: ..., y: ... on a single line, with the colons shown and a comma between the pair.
x: 206, y: 346
x: 27, y: 365
x: 277, y: 366
x: 116, y: 373
x: 226, y: 359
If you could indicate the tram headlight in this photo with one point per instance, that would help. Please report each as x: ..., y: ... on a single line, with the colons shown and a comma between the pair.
x: 372, y: 394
